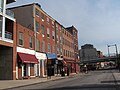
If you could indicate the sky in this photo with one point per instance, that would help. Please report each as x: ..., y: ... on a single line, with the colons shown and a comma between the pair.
x: 97, y: 21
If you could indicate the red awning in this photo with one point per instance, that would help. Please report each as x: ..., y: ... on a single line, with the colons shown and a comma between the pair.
x: 27, y: 58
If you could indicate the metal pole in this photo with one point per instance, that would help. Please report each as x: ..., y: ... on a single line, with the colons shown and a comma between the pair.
x: 108, y: 50
x: 116, y: 50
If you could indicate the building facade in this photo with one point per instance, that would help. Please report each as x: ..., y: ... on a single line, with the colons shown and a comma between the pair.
x: 68, y: 51
x: 7, y: 42
x: 88, y: 52
x: 74, y: 33
x: 42, y: 38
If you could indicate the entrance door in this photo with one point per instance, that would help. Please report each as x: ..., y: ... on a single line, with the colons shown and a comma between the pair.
x: 25, y: 74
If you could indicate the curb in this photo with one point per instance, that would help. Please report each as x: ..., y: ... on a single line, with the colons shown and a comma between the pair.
x: 47, y: 80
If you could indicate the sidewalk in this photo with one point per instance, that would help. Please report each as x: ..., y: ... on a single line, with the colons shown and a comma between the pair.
x: 5, y: 84
x: 117, y: 77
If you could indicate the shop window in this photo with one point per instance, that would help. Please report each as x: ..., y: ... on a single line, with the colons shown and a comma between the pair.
x: 32, y: 65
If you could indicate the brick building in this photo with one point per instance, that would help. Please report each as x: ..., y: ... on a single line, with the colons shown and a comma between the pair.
x: 74, y: 33
x: 42, y: 38
x: 42, y: 28
x: 68, y: 51
x: 7, y: 42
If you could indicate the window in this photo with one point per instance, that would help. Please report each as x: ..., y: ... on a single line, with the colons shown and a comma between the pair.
x: 0, y: 26
x: 53, y: 49
x: 57, y: 50
x: 37, y: 13
x: 42, y: 16
x: 1, y: 5
x: 56, y: 26
x: 53, y: 35
x: 48, y: 32
x: 43, y: 31
x: 61, y: 51
x: 61, y: 40
x: 57, y: 38
x: 48, y: 20
x: 31, y: 65
x: 30, y: 43
x: 43, y: 46
x: 52, y: 23
x: 38, y: 45
x: 37, y: 26
x: 20, y: 38
x: 48, y: 47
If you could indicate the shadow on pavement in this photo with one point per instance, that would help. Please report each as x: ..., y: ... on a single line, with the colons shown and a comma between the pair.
x: 88, y: 87
x: 112, y: 81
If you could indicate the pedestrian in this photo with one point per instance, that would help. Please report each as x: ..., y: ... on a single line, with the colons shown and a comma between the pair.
x: 86, y: 69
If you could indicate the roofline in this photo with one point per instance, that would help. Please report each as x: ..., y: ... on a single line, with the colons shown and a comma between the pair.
x: 25, y: 5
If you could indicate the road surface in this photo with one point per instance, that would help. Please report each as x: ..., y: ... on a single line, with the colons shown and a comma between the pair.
x: 94, y: 80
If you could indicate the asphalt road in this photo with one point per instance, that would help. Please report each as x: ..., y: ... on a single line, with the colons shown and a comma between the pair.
x: 94, y: 80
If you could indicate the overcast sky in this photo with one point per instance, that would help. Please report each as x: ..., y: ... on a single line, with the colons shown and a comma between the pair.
x: 97, y: 21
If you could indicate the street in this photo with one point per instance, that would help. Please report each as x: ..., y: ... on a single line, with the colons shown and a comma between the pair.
x: 94, y: 80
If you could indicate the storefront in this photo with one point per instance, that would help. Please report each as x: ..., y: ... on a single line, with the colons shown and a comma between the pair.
x: 61, y: 65
x: 26, y: 61
x: 70, y: 66
x: 41, y: 66
x: 51, y: 64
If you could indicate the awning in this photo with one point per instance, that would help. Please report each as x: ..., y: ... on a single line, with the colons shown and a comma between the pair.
x: 51, y: 56
x: 27, y: 58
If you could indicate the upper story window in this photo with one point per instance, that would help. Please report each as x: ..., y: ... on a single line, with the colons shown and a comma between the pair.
x: 20, y: 38
x: 53, y: 35
x: 37, y: 26
x: 30, y: 42
x: 60, y: 39
x: 57, y: 38
x: 57, y: 50
x: 0, y: 26
x: 53, y: 49
x: 43, y: 31
x: 52, y: 23
x: 38, y: 45
x: 48, y: 32
x: 48, y: 20
x: 1, y: 5
x: 60, y: 28
x: 61, y: 51
x: 42, y: 16
x: 48, y: 47
x: 37, y: 12
x: 43, y: 46
x: 56, y: 26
